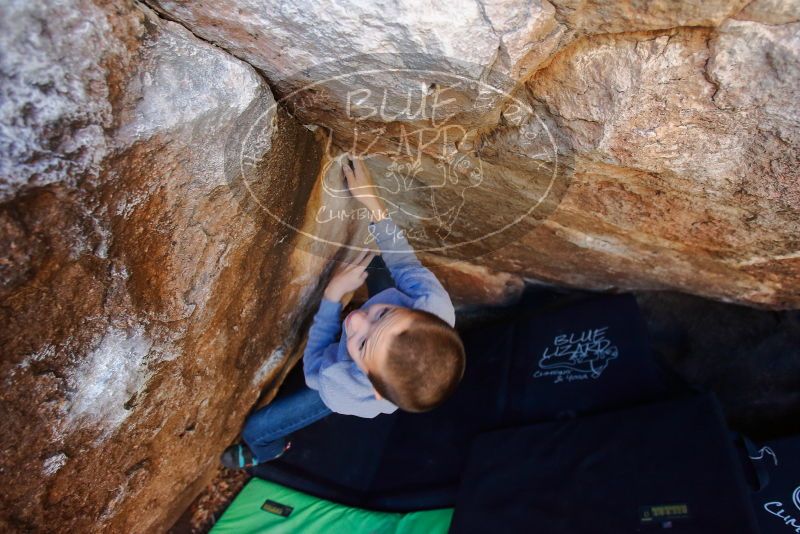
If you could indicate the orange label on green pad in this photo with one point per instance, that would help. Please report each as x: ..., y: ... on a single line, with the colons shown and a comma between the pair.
x: 277, y: 508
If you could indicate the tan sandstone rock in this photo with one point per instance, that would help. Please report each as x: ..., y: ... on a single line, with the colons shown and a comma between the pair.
x: 146, y: 298
x: 657, y: 145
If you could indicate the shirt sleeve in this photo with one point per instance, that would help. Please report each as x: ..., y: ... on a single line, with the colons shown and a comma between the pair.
x: 411, y: 277
x: 321, y: 335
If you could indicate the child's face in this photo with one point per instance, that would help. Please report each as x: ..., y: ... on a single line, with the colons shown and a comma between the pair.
x: 369, y: 331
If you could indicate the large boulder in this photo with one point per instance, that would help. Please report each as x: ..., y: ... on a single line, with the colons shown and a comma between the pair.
x: 652, y: 145
x: 150, y: 286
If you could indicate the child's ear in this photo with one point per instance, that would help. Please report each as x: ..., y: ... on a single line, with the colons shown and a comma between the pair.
x: 377, y: 395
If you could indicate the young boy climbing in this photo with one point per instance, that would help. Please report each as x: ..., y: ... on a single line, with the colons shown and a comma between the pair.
x: 399, y: 350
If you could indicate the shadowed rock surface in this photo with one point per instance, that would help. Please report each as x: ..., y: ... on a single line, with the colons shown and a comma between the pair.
x: 749, y: 358
x: 165, y: 224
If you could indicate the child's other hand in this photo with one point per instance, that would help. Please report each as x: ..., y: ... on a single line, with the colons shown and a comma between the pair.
x: 362, y: 187
x: 348, y: 277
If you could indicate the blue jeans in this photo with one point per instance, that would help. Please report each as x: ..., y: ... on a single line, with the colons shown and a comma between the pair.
x: 265, y: 431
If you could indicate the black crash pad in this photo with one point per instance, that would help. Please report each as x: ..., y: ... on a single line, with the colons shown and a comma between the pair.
x: 546, y: 364
x: 778, y: 503
x: 663, y: 467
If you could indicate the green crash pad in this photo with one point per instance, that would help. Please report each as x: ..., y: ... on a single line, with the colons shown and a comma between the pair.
x: 291, y: 511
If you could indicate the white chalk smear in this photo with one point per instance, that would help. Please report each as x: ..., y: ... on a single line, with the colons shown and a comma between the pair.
x: 108, y: 376
x: 53, y: 464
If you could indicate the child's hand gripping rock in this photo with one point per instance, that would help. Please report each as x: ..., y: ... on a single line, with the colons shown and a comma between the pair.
x: 362, y: 187
x: 348, y: 277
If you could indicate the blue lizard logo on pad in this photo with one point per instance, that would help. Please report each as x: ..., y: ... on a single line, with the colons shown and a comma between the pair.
x: 577, y: 356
